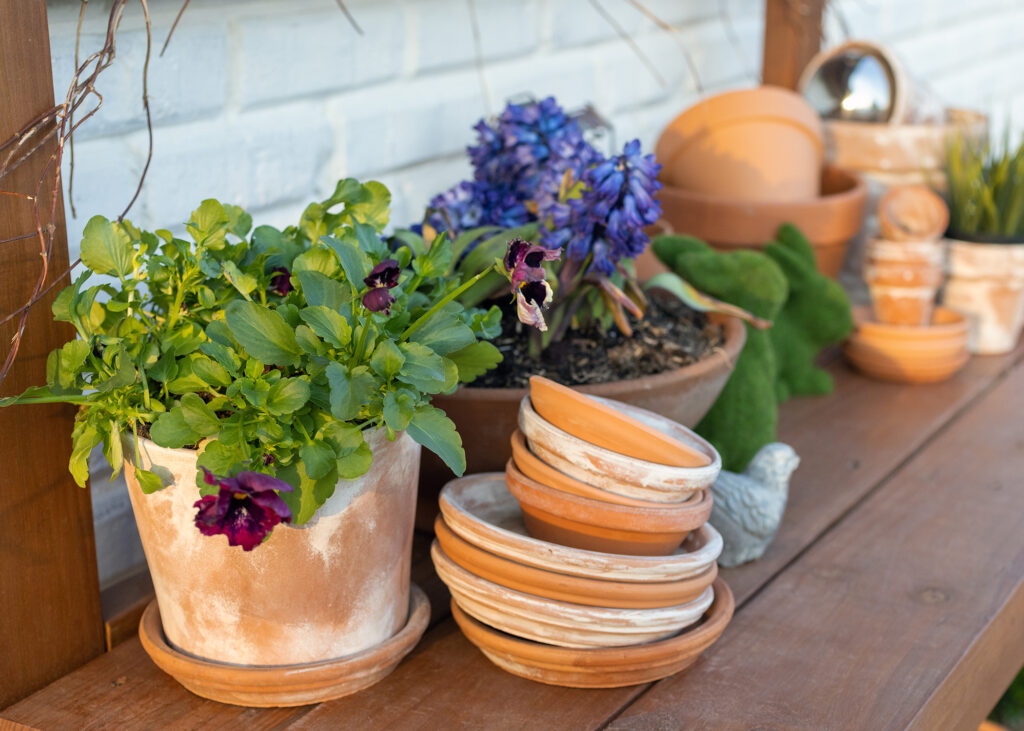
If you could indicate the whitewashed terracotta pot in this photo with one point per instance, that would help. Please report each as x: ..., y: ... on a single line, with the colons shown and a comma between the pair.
x: 333, y: 587
x: 986, y: 283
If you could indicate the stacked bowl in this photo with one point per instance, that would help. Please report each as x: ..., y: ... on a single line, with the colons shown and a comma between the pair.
x: 584, y: 565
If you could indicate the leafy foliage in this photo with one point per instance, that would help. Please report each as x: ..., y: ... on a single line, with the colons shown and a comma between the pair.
x: 254, y: 345
x: 986, y: 189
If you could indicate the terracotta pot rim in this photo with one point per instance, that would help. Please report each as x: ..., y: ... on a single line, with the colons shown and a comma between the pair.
x: 853, y: 188
x: 699, y: 635
x: 960, y: 237
x: 225, y: 682
x: 867, y: 328
x: 735, y: 338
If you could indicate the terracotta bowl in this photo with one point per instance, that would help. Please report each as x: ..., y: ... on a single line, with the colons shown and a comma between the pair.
x: 615, y: 472
x: 909, y: 354
x: 562, y: 623
x: 560, y: 517
x: 829, y: 222
x: 566, y: 588
x: 537, y: 469
x: 481, y: 510
x: 611, y: 667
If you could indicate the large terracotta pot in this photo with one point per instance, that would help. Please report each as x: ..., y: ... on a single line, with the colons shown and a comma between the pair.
x: 728, y: 223
x: 487, y: 417
x: 758, y: 144
x: 336, y: 586
x: 986, y: 283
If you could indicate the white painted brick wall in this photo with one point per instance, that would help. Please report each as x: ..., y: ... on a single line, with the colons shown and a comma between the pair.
x: 267, y: 103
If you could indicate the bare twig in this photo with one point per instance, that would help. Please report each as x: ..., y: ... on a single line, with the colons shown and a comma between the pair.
x: 145, y: 105
x: 184, y: 7
x: 676, y: 35
x: 341, y: 4
x: 624, y: 35
x: 478, y: 56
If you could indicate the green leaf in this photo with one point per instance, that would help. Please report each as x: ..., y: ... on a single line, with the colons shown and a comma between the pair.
x: 356, y: 463
x: 350, y: 390
x: 171, y: 430
x: 224, y: 355
x: 287, y: 395
x: 370, y: 241
x: 106, y: 248
x: 185, y: 380
x: 321, y: 290
x: 84, y: 438
x: 398, y: 408
x: 279, y: 248
x: 371, y: 205
x: 309, y: 494
x: 69, y: 362
x: 210, y: 371
x: 435, y: 431
x: 328, y: 324
x: 149, y: 482
x: 387, y: 359
x: 354, y: 262
x: 486, y: 323
x: 317, y: 259
x: 256, y: 392
x: 423, y: 368
x: 222, y: 458
x: 444, y: 332
x: 475, y: 360
x: 199, y: 417
x: 309, y: 342
x: 345, y: 437
x: 263, y: 333
x: 244, y: 283
x: 318, y: 458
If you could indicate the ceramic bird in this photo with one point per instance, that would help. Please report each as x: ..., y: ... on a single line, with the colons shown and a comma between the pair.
x: 748, y: 507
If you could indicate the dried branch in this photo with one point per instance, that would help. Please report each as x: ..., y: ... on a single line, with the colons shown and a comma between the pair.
x: 478, y: 56
x: 676, y: 35
x: 624, y: 35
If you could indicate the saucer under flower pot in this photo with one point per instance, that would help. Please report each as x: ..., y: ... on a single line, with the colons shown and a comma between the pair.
x: 284, y: 685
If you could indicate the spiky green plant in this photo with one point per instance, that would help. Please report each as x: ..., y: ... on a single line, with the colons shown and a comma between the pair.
x: 986, y: 189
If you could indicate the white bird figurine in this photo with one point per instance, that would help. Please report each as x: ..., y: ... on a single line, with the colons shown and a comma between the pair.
x: 748, y: 507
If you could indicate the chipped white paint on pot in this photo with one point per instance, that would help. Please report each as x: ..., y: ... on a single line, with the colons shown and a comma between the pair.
x: 333, y: 587
x: 986, y: 283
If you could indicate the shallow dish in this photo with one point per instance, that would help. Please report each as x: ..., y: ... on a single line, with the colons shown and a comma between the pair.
x: 481, y: 510
x: 612, y: 667
x: 562, y: 623
x: 566, y: 588
x: 615, y: 472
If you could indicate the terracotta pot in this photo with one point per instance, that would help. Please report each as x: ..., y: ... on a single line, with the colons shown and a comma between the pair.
x: 481, y: 510
x: 912, y: 213
x: 537, y: 469
x: 986, y: 283
x: 337, y: 586
x: 286, y: 685
x: 611, y: 667
x: 909, y: 354
x: 485, y: 417
x: 616, y: 472
x: 559, y: 517
x: 562, y: 623
x: 727, y: 223
x: 762, y: 144
x: 568, y: 588
x: 601, y: 425
x: 903, y: 278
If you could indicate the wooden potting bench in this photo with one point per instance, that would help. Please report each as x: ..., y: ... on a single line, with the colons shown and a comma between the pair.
x: 893, y: 597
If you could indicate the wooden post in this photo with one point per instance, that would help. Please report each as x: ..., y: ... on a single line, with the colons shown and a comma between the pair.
x: 792, y: 35
x: 50, y: 620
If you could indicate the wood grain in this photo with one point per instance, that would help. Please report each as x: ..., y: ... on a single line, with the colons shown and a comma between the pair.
x: 50, y: 623
x: 908, y: 613
x: 792, y: 35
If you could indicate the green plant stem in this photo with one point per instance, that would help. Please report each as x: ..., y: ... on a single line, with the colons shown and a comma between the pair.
x: 441, y: 303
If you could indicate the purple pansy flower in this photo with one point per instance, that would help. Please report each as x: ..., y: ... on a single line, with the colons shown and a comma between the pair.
x: 281, y: 282
x: 523, y: 261
x: 531, y: 299
x: 245, y: 509
x: 383, y: 277
x: 378, y: 300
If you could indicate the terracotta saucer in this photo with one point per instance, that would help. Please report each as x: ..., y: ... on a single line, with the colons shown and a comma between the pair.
x: 537, y: 469
x: 635, y: 478
x: 612, y: 667
x: 566, y: 588
x: 284, y: 685
x: 595, y: 525
x: 562, y: 623
x: 481, y: 510
x: 600, y: 424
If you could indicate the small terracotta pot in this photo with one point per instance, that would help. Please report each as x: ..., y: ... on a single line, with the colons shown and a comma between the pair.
x: 562, y: 623
x: 559, y: 517
x: 903, y: 278
x: 568, y: 588
x: 481, y: 510
x: 485, y: 417
x: 610, y: 667
x: 601, y: 425
x: 909, y: 354
x: 986, y: 283
x: 912, y: 213
x: 762, y: 144
x: 616, y: 472
x: 727, y: 223
x: 337, y: 586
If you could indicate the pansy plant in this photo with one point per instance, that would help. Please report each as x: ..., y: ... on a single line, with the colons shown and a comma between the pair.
x: 272, y: 352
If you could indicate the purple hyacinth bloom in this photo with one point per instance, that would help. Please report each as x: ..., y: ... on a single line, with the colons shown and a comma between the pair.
x: 245, y: 509
x: 281, y: 282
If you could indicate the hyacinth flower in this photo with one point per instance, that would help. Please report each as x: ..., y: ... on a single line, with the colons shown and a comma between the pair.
x: 380, y: 280
x: 246, y: 508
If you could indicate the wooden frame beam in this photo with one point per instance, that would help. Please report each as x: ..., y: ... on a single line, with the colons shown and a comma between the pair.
x: 792, y: 35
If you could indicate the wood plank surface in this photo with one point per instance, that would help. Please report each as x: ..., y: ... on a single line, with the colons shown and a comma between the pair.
x: 49, y: 590
x: 897, y: 617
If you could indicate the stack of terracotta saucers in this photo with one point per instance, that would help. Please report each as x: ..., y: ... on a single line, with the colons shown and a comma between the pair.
x: 589, y: 563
